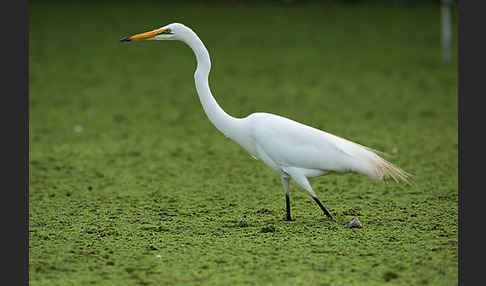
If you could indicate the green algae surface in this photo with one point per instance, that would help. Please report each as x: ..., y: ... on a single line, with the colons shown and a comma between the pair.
x: 130, y: 184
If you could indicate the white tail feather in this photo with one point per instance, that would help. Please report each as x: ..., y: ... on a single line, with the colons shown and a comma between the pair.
x: 375, y: 167
x: 365, y: 160
x: 385, y: 169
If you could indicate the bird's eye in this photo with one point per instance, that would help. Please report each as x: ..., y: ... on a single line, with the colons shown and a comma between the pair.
x: 166, y: 31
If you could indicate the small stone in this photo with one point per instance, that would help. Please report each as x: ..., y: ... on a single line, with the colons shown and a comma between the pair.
x: 355, y: 223
x: 78, y: 128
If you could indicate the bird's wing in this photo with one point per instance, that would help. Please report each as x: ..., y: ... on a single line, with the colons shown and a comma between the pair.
x: 290, y: 143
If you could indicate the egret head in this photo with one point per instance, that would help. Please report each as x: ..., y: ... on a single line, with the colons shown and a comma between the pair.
x: 174, y: 31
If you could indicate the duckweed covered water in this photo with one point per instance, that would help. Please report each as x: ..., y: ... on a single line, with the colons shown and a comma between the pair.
x: 130, y: 184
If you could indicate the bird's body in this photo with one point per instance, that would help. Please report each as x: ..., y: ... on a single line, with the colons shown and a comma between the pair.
x: 284, y: 143
x: 291, y: 149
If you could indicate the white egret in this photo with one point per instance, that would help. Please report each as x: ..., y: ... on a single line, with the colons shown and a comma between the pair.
x: 291, y: 149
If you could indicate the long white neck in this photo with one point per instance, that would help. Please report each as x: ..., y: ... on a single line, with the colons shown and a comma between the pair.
x: 225, y: 123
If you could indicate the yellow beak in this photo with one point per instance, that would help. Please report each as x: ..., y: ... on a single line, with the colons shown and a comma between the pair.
x: 143, y: 36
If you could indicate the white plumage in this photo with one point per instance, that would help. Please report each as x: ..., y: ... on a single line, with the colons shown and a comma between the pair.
x: 293, y: 150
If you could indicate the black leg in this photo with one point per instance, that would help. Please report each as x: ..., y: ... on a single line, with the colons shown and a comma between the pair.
x: 322, y: 207
x: 287, y: 201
